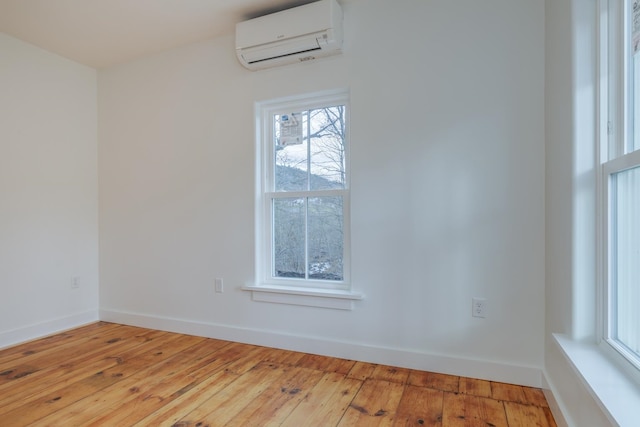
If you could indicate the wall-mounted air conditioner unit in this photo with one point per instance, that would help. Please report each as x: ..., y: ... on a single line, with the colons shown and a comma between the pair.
x: 299, y: 34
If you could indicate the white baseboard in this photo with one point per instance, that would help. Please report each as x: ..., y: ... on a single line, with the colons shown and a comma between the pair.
x: 557, y: 407
x: 482, y: 369
x: 39, y: 330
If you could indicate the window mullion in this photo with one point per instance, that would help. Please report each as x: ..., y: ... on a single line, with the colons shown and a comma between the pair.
x: 306, y: 238
x: 308, y: 149
x: 306, y: 200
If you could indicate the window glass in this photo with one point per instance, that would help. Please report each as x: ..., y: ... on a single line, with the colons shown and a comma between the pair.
x: 305, y: 193
x: 325, y: 238
x: 291, y: 154
x: 289, y: 237
x: 327, y: 148
x: 625, y: 197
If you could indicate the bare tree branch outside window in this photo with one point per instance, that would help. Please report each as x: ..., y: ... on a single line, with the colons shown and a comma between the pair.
x: 308, y: 232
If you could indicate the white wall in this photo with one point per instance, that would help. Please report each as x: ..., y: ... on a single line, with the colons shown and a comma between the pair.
x: 48, y: 192
x: 447, y: 189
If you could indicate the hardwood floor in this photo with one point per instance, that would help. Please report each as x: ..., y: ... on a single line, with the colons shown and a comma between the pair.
x: 114, y: 375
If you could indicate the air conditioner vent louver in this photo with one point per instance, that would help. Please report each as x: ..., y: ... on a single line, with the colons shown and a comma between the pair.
x: 282, y: 56
x: 289, y: 36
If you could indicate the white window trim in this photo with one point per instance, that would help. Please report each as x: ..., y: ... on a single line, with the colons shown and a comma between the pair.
x: 613, y: 131
x: 609, y: 378
x: 323, y: 298
x: 313, y: 293
x: 620, y: 353
x: 613, y: 387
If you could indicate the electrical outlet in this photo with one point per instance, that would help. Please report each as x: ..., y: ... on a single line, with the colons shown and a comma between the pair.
x: 75, y: 282
x: 479, y: 307
x: 219, y: 285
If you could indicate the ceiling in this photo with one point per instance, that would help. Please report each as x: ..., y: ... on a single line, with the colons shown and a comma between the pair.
x: 102, y: 33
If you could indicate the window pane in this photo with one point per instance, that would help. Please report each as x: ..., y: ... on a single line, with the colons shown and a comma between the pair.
x: 325, y: 238
x: 327, y: 128
x: 291, y: 153
x: 626, y: 257
x: 289, y: 237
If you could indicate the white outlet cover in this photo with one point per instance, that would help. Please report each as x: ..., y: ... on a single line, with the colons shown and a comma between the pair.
x: 219, y: 285
x: 479, y: 307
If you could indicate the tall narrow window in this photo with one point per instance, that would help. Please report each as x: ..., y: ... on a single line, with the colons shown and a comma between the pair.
x: 620, y: 180
x: 304, y: 192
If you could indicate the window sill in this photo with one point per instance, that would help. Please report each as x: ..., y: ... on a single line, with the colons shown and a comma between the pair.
x: 324, y: 298
x: 616, y: 393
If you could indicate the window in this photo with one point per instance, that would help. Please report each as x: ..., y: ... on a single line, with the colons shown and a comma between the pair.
x: 303, y: 196
x: 620, y: 180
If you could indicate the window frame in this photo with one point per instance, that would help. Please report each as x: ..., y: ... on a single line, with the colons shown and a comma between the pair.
x: 265, y: 174
x: 608, y: 171
x: 613, y: 156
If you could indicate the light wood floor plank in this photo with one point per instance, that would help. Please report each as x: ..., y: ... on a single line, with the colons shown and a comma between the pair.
x: 362, y: 370
x: 67, y: 396
x: 535, y: 396
x: 46, y: 343
x: 420, y: 406
x: 475, y: 387
x: 232, y: 361
x: 520, y: 415
x: 508, y: 392
x: 279, y: 399
x: 326, y: 403
x: 374, y: 405
x: 434, y: 380
x: 33, y: 361
x: 325, y: 364
x: 464, y: 410
x: 170, y: 413
x: 284, y: 357
x: 391, y: 374
x: 235, y: 397
x: 114, y: 375
x: 170, y: 387
x: 248, y: 357
x: 135, y: 396
x: 57, y: 377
